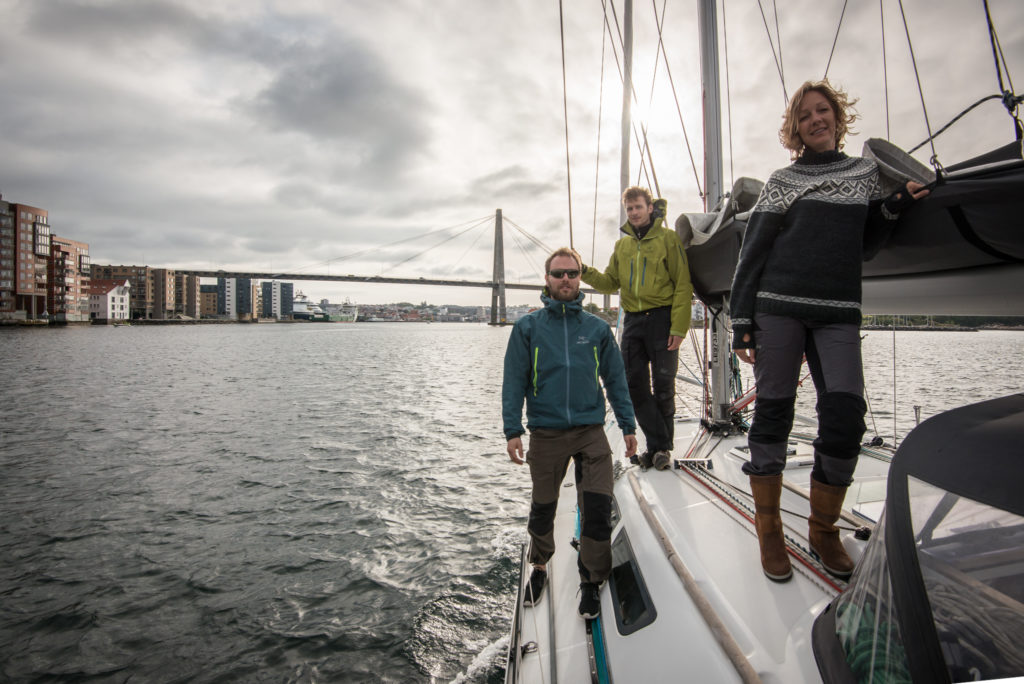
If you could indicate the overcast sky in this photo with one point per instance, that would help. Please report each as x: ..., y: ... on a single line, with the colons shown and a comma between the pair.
x: 333, y: 136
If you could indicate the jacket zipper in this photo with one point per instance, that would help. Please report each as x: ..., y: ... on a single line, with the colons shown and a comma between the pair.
x: 568, y: 367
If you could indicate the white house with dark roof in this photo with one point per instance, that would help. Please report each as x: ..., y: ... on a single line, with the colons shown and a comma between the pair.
x: 110, y: 300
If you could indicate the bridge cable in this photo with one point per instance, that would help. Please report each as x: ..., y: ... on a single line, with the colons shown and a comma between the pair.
x: 528, y: 236
x: 390, y: 244
x: 565, y: 111
x: 834, y: 40
x: 448, y: 239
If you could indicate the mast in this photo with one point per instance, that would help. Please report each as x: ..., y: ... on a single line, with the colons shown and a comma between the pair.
x: 721, y: 352
x: 627, y: 94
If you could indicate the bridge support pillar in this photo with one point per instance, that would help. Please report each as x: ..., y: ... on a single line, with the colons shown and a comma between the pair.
x: 499, y: 314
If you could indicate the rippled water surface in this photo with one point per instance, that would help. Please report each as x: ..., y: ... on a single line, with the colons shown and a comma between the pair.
x: 297, y: 502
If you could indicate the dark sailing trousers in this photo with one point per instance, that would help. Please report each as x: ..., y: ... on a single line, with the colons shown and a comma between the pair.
x: 833, y: 357
x: 548, y: 457
x: 651, y: 366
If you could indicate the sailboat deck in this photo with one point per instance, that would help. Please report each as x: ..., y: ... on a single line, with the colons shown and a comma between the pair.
x: 706, y: 517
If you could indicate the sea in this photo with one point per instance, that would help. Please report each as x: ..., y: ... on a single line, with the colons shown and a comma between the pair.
x: 314, y: 502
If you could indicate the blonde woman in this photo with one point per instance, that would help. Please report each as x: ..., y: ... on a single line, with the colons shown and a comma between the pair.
x: 797, y: 292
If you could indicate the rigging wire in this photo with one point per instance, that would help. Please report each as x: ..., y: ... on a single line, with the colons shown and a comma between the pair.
x: 917, y: 75
x: 728, y: 105
x: 565, y: 110
x: 777, y: 56
x: 834, y: 40
x: 597, y: 155
x: 622, y: 78
x: 1010, y: 101
x: 885, y: 70
x: 675, y: 96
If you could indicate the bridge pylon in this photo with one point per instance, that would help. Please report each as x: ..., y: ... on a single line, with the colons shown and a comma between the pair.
x: 499, y: 313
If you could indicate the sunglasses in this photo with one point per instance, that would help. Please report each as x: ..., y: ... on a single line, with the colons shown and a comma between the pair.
x: 558, y: 273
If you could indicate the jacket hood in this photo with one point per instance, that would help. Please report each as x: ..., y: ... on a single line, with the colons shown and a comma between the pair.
x: 660, y: 209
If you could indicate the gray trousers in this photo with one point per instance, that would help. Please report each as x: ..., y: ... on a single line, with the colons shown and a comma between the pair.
x: 548, y: 458
x: 833, y: 357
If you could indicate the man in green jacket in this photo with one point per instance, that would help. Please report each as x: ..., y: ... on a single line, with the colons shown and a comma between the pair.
x: 649, y: 271
x: 563, y: 361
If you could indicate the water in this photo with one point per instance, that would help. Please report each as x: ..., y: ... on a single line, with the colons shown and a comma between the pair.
x: 297, y: 502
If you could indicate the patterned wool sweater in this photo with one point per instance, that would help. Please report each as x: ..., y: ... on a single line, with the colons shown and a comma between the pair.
x: 814, y: 223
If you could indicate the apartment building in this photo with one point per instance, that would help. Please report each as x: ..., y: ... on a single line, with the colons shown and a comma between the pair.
x: 162, y: 280
x: 24, y: 260
x: 7, y: 260
x: 68, y: 274
x: 277, y: 299
x: 238, y: 298
x: 208, y: 298
x: 187, y: 299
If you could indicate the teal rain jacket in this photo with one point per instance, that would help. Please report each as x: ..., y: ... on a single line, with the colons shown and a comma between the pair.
x: 557, y: 359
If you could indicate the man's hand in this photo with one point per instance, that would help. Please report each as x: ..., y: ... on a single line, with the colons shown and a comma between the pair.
x: 515, y: 450
x: 630, y: 445
x: 674, y: 341
x: 746, y: 354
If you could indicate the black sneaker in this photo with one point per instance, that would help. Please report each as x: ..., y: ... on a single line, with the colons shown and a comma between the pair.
x: 590, y: 600
x: 646, y: 460
x: 662, y: 460
x: 534, y: 590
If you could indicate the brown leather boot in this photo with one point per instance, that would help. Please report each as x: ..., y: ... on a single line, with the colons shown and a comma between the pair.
x: 823, y: 535
x: 767, y: 490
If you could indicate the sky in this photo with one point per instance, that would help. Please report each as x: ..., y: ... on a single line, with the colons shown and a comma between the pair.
x: 379, y: 138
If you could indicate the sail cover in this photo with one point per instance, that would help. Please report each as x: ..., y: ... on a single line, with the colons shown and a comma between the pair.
x: 959, y: 251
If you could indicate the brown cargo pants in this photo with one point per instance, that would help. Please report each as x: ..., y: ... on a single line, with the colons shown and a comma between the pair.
x: 548, y: 457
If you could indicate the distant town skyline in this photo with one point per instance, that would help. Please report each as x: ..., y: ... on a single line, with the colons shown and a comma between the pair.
x: 281, y: 135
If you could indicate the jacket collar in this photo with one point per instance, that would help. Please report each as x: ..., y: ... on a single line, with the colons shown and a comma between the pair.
x: 555, y: 306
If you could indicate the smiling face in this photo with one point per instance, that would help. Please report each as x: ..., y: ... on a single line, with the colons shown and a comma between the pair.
x: 816, y: 122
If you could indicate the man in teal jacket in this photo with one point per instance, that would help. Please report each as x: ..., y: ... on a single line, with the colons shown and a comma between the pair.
x: 649, y: 271
x: 557, y: 359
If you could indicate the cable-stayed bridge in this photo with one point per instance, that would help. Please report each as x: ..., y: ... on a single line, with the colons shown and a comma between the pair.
x: 497, y: 284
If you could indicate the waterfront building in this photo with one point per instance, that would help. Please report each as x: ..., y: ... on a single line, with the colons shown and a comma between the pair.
x: 68, y: 274
x: 110, y: 300
x: 162, y: 280
x: 142, y: 285
x: 7, y: 260
x: 236, y: 298
x: 277, y: 298
x: 187, y: 300
x: 207, y: 301
x: 24, y: 260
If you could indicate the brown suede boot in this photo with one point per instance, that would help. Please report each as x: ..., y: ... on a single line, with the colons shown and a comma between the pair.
x: 767, y: 490
x: 826, y: 504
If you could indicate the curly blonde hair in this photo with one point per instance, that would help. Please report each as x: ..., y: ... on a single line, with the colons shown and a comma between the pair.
x: 842, y: 107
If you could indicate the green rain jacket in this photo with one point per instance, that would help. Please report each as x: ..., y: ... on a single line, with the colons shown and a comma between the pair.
x: 557, y: 359
x: 648, y: 273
